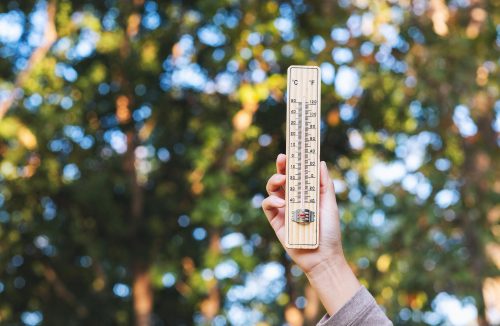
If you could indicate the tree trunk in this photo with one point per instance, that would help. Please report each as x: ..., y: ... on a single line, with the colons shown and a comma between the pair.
x: 477, y: 169
x: 142, y: 288
x: 142, y: 296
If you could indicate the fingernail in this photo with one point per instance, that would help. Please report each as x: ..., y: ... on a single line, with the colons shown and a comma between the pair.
x: 323, y: 164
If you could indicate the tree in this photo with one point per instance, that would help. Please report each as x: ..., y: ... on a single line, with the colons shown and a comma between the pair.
x: 137, y: 137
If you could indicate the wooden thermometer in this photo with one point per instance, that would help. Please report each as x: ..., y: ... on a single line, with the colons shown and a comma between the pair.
x: 302, y: 149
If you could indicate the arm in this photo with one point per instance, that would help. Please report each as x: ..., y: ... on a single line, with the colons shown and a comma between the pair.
x: 325, y: 267
x: 361, y: 309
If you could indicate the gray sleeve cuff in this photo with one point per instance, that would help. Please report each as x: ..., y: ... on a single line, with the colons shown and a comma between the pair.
x: 361, y: 309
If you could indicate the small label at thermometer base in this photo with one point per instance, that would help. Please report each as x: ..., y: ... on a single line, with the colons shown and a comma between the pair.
x: 302, y: 168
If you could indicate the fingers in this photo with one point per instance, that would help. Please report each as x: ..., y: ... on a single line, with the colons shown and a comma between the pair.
x: 281, y: 164
x: 271, y: 206
x: 275, y: 184
x: 272, y: 202
x: 274, y: 205
x: 326, y: 184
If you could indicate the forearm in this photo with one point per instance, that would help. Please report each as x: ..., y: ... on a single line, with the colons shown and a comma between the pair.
x: 334, y: 282
x: 345, y: 300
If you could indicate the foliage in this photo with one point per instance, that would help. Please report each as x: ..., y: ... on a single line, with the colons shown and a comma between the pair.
x: 137, y: 137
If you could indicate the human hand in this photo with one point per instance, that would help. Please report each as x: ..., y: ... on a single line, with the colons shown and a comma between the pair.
x: 330, y: 246
x: 325, y: 266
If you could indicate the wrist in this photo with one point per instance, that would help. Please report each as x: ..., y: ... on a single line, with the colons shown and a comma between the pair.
x: 334, y: 282
x: 336, y: 264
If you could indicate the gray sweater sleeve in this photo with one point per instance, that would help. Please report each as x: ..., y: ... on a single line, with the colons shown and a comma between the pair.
x: 361, y: 309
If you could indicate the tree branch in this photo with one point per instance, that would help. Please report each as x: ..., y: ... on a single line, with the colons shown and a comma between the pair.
x: 49, y: 38
x: 61, y: 289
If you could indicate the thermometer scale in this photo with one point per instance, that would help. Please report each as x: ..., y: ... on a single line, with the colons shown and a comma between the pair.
x: 302, y: 169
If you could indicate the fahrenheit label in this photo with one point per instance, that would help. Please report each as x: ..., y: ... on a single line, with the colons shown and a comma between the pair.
x: 302, y: 184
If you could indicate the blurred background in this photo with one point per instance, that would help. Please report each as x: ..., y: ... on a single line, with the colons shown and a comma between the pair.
x: 136, y: 138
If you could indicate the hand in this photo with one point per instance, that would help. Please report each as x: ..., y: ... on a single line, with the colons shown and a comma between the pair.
x: 330, y: 246
x: 325, y: 266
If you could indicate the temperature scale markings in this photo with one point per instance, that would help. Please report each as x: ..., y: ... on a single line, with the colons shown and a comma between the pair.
x: 303, y: 157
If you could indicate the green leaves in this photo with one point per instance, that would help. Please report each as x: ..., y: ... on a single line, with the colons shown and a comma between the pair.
x: 144, y: 136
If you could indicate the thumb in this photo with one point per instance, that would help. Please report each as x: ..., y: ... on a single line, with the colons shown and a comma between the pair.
x: 327, y: 189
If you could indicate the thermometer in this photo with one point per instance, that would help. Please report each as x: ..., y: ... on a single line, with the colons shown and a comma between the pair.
x: 302, y: 149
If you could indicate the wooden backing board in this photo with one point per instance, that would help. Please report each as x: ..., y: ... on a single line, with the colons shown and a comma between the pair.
x: 302, y: 149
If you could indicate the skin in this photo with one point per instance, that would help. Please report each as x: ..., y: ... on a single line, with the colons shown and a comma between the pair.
x: 325, y: 267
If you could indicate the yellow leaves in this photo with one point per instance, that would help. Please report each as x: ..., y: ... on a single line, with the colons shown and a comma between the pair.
x: 391, y: 117
x: 91, y: 22
x: 347, y: 217
x: 14, y: 236
x: 418, y: 301
x: 147, y: 129
x: 208, y: 155
x: 98, y: 73
x: 242, y: 120
x: 27, y: 138
x: 63, y: 18
x: 44, y: 69
x: 370, y: 24
x: 248, y: 97
x: 272, y: 7
x: 8, y: 170
x: 11, y: 127
x: 387, y: 293
x: 149, y: 54
x: 415, y: 300
x: 383, y: 263
x: 282, y: 299
x: 195, y: 178
x: 5, y: 313
x: 98, y: 284
x: 262, y: 91
x: 276, y: 84
x: 371, y: 137
x: 454, y: 151
x: 402, y: 298
x: 249, y: 18
x: 251, y: 94
x: 390, y: 143
x: 109, y: 41
x: 410, y: 125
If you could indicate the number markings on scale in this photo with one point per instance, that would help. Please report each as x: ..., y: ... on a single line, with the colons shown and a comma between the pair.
x: 303, y: 157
